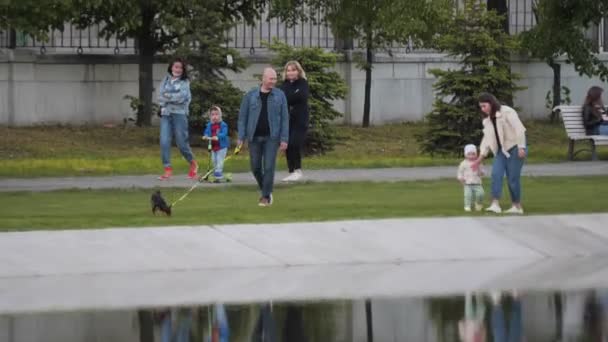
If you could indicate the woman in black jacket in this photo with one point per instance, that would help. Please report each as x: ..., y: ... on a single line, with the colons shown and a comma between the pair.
x: 295, y: 88
x: 594, y: 113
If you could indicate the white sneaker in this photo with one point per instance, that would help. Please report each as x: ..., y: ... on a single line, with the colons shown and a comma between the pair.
x: 467, y: 209
x: 515, y: 211
x: 290, y: 177
x: 479, y: 207
x: 297, y: 175
x: 270, y: 199
x: 495, y: 208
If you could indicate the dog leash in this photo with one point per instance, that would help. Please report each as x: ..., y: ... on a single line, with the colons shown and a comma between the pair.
x: 237, y: 150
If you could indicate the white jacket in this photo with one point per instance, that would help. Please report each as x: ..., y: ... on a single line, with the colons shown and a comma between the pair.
x: 511, y: 132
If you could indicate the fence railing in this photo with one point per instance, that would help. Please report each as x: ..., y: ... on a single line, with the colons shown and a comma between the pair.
x: 249, y: 38
x: 68, y: 40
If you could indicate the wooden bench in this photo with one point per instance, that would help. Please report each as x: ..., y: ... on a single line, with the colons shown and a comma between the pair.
x: 572, y: 116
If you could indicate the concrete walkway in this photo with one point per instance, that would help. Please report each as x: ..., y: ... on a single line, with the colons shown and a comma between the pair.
x: 125, y: 268
x: 347, y: 175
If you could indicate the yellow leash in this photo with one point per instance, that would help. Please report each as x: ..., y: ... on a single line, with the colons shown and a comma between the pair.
x: 203, y: 177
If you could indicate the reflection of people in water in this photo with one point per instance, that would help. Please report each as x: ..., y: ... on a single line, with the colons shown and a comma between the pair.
x: 511, y: 330
x: 595, y: 317
x: 293, y: 329
x: 266, y: 326
x: 182, y: 318
x: 220, y: 331
x: 472, y: 328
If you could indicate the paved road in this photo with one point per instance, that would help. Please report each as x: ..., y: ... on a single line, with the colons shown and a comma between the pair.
x: 133, y: 267
x: 389, y: 174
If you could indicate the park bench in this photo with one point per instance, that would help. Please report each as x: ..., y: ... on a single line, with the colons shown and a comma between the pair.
x: 572, y: 116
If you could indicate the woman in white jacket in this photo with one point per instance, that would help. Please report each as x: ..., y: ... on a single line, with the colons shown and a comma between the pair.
x: 505, y: 136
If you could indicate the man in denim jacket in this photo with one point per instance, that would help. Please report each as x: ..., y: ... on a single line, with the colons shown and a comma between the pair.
x: 264, y: 124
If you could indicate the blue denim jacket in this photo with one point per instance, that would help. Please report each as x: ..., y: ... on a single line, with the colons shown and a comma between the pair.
x: 222, y: 135
x: 174, y: 97
x: 278, y: 115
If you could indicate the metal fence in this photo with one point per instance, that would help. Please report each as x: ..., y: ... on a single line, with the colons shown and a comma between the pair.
x: 521, y: 17
x: 250, y: 38
x: 247, y: 38
x: 69, y: 40
x: 266, y: 29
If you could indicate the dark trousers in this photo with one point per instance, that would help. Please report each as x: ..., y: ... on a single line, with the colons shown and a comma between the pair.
x: 294, y: 149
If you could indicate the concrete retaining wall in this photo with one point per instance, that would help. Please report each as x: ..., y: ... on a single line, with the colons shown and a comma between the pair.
x: 73, y: 89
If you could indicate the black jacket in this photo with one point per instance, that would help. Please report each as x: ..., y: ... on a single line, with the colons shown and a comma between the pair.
x: 297, y: 101
x: 591, y: 120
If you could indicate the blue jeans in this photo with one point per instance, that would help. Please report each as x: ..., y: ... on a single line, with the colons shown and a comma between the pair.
x: 512, y: 168
x: 263, y: 157
x: 473, y: 194
x: 218, y: 162
x: 603, y: 128
x: 184, y: 323
x: 174, y: 125
x: 499, y: 326
x: 221, y: 321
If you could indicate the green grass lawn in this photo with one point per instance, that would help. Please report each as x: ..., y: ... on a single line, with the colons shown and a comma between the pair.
x: 304, y: 202
x: 75, y: 151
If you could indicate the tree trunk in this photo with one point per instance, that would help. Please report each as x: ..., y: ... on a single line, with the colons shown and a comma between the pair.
x: 343, y: 44
x: 368, y: 83
x: 500, y: 6
x: 369, y: 321
x: 146, y: 49
x: 146, y: 326
x: 293, y: 328
x: 12, y: 39
x: 557, y: 87
x: 559, y: 316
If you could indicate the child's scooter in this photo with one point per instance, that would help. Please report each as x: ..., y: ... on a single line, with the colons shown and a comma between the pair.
x: 209, y: 177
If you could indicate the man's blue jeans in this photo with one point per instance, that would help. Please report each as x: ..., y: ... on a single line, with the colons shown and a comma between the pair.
x: 263, y: 158
x: 174, y: 125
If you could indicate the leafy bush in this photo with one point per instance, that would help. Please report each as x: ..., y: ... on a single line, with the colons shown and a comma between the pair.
x: 219, y: 92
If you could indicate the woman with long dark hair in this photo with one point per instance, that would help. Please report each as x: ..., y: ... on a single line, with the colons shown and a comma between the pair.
x: 505, y: 136
x: 174, y: 98
x: 594, y: 113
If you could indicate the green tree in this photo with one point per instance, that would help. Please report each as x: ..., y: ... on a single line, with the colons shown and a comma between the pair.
x: 35, y: 17
x: 205, y: 50
x: 377, y: 24
x: 158, y: 26
x: 560, y: 31
x: 325, y: 86
x: 501, y: 7
x: 476, y: 37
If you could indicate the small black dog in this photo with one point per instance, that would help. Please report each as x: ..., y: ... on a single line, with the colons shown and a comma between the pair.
x: 158, y: 203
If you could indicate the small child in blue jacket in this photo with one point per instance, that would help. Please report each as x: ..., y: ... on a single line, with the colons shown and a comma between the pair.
x: 217, y: 132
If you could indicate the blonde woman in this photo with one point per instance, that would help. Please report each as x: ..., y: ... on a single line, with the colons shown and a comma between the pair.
x: 295, y: 87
